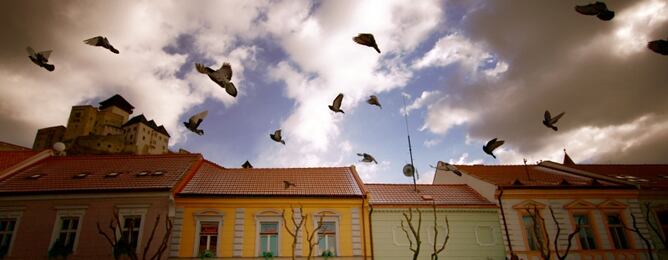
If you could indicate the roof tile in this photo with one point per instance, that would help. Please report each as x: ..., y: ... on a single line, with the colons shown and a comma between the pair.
x: 440, y: 194
x: 529, y: 175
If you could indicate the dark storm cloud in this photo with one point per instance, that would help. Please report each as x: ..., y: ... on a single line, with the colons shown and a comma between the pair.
x: 562, y: 61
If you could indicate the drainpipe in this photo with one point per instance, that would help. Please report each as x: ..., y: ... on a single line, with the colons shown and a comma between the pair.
x: 505, y: 224
x: 371, y: 231
x: 363, y: 229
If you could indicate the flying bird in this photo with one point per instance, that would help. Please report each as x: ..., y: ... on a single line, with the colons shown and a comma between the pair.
x: 41, y: 58
x: 366, y: 39
x: 367, y: 158
x: 336, y: 104
x: 659, y: 46
x: 247, y: 165
x: 194, y: 121
x: 222, y: 77
x: 287, y: 184
x: 373, y: 100
x: 276, y: 136
x: 599, y: 9
x: 549, y: 121
x: 491, y: 145
x: 102, y: 42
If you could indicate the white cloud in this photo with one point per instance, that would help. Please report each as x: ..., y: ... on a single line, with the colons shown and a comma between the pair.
x: 455, y: 48
x: 442, y: 116
x: 432, y: 142
x: 324, y: 61
x: 426, y: 98
x: 464, y: 160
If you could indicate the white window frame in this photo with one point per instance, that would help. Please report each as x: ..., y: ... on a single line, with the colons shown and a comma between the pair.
x: 133, y: 210
x: 12, y: 213
x: 64, y: 212
x: 268, y: 216
x: 208, y: 216
x: 327, y: 217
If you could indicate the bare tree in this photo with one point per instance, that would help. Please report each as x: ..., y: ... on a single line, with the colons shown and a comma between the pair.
x: 121, y: 246
x: 294, y: 232
x: 434, y: 255
x: 651, y: 225
x: 635, y: 229
x: 416, y: 233
x: 310, y: 235
x: 541, y: 236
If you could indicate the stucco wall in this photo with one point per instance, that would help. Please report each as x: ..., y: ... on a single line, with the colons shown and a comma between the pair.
x: 474, y: 234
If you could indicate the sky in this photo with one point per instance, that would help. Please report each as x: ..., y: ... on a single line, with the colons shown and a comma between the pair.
x: 468, y: 71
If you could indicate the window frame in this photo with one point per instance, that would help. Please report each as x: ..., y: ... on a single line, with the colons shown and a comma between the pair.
x: 525, y: 230
x: 328, y: 216
x: 268, y: 216
x: 627, y: 235
x: 16, y: 214
x: 657, y: 220
x: 208, y: 216
x: 592, y: 224
x: 132, y: 210
x: 68, y: 212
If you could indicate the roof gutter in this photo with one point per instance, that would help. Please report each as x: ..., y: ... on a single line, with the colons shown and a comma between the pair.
x: 559, y: 167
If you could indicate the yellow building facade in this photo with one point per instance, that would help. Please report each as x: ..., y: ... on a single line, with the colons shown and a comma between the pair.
x: 247, y: 213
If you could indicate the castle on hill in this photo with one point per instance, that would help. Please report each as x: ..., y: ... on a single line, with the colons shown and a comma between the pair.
x: 106, y: 130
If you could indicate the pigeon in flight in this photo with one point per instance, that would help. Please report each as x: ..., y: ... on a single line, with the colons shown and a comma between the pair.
x: 40, y: 58
x: 102, y: 42
x: 599, y: 9
x: 366, y: 39
x: 659, y: 46
x: 276, y: 136
x: 491, y: 145
x: 367, y: 158
x: 194, y: 121
x: 222, y: 77
x: 549, y: 121
x: 247, y: 165
x: 287, y: 184
x: 373, y: 100
x: 336, y: 105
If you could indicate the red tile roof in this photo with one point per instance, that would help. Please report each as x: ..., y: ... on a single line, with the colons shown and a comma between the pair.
x: 57, y: 174
x: 654, y: 176
x: 441, y: 194
x: 12, y: 147
x: 11, y: 158
x: 213, y: 180
x: 529, y: 175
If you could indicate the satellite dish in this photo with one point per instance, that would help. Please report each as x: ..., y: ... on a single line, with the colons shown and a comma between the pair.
x: 59, y: 147
x: 409, y: 170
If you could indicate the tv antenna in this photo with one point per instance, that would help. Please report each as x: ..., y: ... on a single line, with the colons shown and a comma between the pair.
x: 409, y: 169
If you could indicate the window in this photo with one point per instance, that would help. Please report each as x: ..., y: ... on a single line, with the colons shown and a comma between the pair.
x: 586, y: 236
x: 68, y: 230
x: 208, y: 237
x: 663, y: 221
x: 131, y: 229
x: 327, y: 237
x: 7, y: 226
x: 616, y: 229
x: 269, y: 237
x: 533, y: 233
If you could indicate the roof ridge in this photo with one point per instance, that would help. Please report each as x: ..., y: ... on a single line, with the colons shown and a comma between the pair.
x: 132, y: 156
x: 287, y: 168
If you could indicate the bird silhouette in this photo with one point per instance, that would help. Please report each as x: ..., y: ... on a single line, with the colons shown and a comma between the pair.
x: 367, y: 158
x: 373, y: 100
x: 599, y: 9
x: 194, y: 121
x: 287, y: 184
x: 41, y: 58
x: 659, y: 46
x: 491, y: 146
x: 549, y: 121
x: 366, y: 39
x: 247, y: 165
x: 222, y: 76
x: 336, y: 104
x: 276, y: 136
x: 102, y: 42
